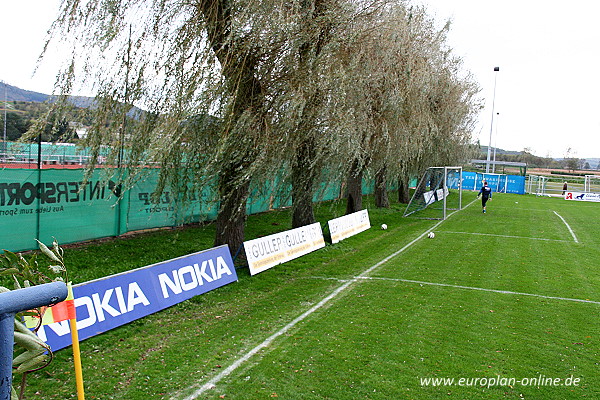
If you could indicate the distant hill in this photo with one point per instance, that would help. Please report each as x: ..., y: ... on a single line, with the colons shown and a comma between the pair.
x: 500, y: 151
x: 14, y: 93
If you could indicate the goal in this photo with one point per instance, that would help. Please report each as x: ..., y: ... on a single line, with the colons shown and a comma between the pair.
x: 438, y: 190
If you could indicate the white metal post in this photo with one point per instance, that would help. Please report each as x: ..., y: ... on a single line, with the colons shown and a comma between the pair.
x: 487, y: 165
x: 444, y: 189
x: 460, y: 179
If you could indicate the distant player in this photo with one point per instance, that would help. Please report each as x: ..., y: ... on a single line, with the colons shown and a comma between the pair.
x: 486, y: 194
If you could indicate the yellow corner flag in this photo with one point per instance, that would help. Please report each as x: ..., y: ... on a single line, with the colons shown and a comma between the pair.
x: 65, y: 310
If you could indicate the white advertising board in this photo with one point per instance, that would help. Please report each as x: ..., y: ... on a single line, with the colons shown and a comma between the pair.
x: 435, y: 195
x: 268, y: 251
x: 349, y: 225
x: 578, y: 196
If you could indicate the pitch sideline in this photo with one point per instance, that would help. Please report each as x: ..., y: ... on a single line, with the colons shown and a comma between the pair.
x: 506, y: 236
x: 481, y: 289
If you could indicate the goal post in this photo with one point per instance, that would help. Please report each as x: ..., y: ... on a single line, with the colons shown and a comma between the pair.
x: 438, y: 190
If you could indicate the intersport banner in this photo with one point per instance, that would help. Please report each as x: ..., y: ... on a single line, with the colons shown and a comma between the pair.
x: 116, y: 300
x: 349, y: 225
x: 44, y: 204
x: 268, y: 251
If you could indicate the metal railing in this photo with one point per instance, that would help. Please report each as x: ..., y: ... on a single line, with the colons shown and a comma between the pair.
x: 10, y: 304
x: 542, y: 185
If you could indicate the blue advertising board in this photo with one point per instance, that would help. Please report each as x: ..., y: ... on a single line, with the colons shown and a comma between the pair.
x: 498, y: 182
x: 116, y: 300
x: 515, y: 184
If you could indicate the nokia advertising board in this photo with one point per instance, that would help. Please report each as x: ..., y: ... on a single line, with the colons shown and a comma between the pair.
x: 116, y: 300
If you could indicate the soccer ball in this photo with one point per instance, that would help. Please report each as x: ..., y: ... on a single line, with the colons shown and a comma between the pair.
x: 383, y: 226
x: 431, y: 235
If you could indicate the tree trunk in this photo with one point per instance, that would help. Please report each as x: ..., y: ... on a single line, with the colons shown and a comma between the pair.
x: 403, y: 190
x: 238, y: 63
x: 303, y: 177
x: 305, y: 169
x: 231, y: 219
x: 381, y: 195
x: 354, y: 190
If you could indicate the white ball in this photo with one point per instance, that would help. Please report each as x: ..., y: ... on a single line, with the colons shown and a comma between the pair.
x: 431, y: 235
x: 383, y: 226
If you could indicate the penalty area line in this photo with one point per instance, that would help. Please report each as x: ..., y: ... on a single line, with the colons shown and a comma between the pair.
x: 568, y: 227
x: 237, y: 363
x: 481, y: 289
x: 505, y: 236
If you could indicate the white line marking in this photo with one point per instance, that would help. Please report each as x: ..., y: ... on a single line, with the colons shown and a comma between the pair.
x: 506, y: 236
x: 211, y: 383
x: 482, y: 289
x: 326, y: 278
x: 570, y: 230
x: 224, y: 373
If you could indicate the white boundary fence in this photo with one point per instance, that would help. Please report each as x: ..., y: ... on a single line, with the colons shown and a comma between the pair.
x: 541, y: 185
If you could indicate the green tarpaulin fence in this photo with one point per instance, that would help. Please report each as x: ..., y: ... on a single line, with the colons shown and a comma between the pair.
x: 47, y: 203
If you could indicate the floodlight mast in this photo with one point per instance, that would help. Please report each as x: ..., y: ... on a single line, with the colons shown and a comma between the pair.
x: 487, y: 165
x: 496, y: 142
x: 4, y: 147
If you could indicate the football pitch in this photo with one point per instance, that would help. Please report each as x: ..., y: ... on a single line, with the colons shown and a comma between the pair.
x: 500, y: 305
x: 497, y: 305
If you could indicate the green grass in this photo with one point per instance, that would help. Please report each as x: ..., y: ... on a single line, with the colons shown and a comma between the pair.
x: 378, y: 337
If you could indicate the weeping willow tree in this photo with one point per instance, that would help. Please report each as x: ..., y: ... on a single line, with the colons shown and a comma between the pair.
x: 309, y: 141
x: 447, y: 103
x: 212, y: 76
x: 298, y: 106
x: 318, y: 143
x: 376, y: 76
x: 414, y: 106
x: 235, y: 92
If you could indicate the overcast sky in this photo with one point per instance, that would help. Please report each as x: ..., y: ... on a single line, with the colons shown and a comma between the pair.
x: 547, y: 87
x: 546, y: 90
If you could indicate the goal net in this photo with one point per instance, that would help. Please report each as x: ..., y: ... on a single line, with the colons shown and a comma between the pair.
x: 438, y: 191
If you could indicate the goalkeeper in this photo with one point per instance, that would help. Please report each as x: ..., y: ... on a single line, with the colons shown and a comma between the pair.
x: 486, y: 194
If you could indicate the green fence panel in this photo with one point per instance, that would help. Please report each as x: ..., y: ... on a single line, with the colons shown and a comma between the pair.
x: 282, y: 196
x: 327, y: 191
x: 74, y: 212
x: 368, y: 185
x: 51, y: 203
x: 209, y: 204
x: 143, y: 213
x: 273, y: 194
x: 18, y: 217
x: 259, y: 199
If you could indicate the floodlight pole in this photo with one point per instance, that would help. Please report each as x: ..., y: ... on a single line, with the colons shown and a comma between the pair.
x: 4, y: 146
x: 487, y: 165
x: 496, y: 142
